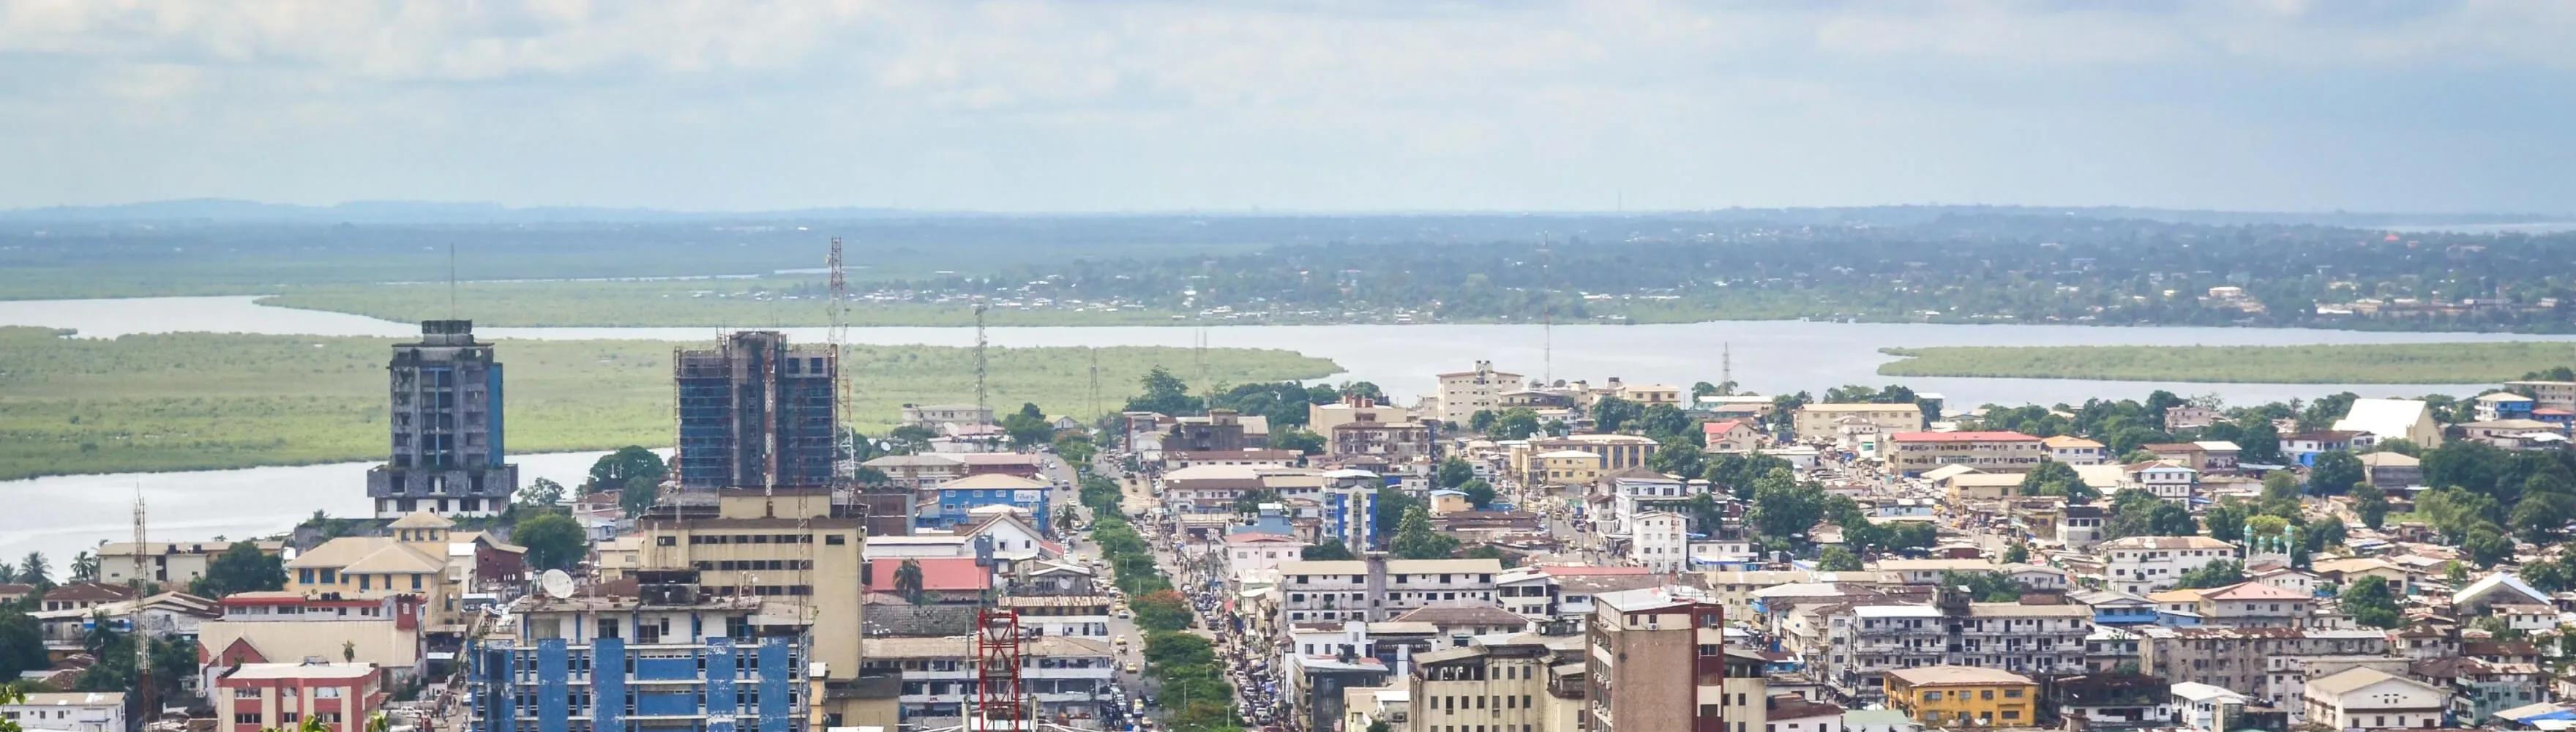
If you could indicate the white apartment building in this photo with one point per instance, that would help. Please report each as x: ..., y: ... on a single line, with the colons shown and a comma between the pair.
x: 2073, y: 450
x: 1066, y: 676
x: 1376, y: 589
x: 2167, y: 479
x: 1661, y: 542
x: 1822, y: 422
x: 2140, y: 565
x: 78, y: 711
x: 1861, y: 643
x: 1464, y: 393
x: 1246, y: 553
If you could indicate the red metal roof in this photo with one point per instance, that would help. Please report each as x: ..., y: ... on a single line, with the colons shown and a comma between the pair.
x: 1963, y: 437
x: 937, y: 575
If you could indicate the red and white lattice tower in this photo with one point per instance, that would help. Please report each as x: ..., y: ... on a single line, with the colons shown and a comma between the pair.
x: 999, y: 702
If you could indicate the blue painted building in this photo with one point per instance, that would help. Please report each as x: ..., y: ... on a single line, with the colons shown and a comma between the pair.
x: 622, y: 664
x: 957, y: 500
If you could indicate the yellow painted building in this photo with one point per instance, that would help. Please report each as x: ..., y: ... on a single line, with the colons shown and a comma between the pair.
x: 1961, y: 696
x: 411, y: 562
x: 1562, y: 467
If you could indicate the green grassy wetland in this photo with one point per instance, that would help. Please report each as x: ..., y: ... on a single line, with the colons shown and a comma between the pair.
x: 2407, y: 363
x: 192, y: 401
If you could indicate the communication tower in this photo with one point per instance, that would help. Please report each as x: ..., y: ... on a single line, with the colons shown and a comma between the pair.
x: 980, y: 365
x: 999, y: 701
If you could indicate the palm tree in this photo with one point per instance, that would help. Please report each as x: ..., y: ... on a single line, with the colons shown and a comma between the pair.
x: 35, y: 570
x: 907, y: 581
x: 349, y: 651
x: 1065, y: 519
x: 84, y: 567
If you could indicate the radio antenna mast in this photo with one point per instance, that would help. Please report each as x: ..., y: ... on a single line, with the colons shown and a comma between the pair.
x: 981, y: 365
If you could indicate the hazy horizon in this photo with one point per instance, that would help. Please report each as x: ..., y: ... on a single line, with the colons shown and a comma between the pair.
x: 1148, y: 107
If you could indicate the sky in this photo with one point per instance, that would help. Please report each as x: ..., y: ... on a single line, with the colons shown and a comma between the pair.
x: 1392, y: 105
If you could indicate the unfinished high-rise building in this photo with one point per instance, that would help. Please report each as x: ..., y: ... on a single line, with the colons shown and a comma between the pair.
x: 755, y: 412
x: 446, y: 419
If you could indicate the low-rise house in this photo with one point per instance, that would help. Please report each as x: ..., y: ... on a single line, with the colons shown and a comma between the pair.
x: 2392, y: 470
x: 1250, y: 552
x: 2499, y: 588
x: 174, y: 563
x: 2112, y: 700
x: 2204, y: 707
x: 278, y: 627
x: 1731, y: 436
x: 2254, y: 605
x: 2304, y: 447
x: 2504, y: 405
x: 78, y: 711
x: 2479, y: 689
x: 83, y: 596
x: 1963, y: 696
x: 1793, y: 713
x: 1816, y: 423
x: 2408, y: 419
x: 2343, y: 570
x: 2073, y: 450
x: 917, y: 472
x: 2368, y: 698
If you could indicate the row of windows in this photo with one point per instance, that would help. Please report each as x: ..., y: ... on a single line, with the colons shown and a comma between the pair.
x: 749, y: 565
x: 1452, y: 703
x: 750, y: 539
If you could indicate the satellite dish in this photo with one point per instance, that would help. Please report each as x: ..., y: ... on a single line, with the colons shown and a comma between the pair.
x: 557, y: 584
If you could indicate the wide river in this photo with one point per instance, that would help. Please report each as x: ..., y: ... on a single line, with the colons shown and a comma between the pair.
x: 67, y: 513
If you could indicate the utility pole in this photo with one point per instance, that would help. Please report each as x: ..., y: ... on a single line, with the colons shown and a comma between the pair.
x: 1725, y: 368
x: 980, y: 365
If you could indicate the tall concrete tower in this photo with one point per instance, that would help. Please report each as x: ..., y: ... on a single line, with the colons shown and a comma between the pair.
x: 446, y: 419
x: 755, y: 412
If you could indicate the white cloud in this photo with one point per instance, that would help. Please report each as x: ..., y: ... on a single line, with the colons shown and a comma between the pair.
x: 1428, y: 105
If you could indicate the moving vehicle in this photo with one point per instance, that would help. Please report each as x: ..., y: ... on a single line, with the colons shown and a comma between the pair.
x: 1131, y: 667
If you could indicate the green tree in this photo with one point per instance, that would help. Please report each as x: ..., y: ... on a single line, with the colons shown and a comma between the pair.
x: 2226, y: 521
x: 1027, y: 431
x: 541, y: 493
x: 638, y: 494
x: 1391, y: 505
x: 1483, y: 420
x: 34, y: 570
x: 1076, y: 449
x: 1480, y: 494
x: 2487, y: 547
x: 1165, y: 394
x: 1163, y: 610
x: 617, y: 469
x: 908, y: 581
x: 1304, y: 442
x: 1415, y: 539
x: 2052, y: 478
x: 2369, y: 602
x: 912, y: 438
x: 22, y: 644
x: 2335, y: 473
x: 1665, y: 422
x: 2371, y: 503
x: 2136, y: 512
x: 554, y: 541
x: 1330, y: 550
x: 1838, y: 559
x: 1985, y: 586
x: 1678, y: 456
x: 1782, y: 508
x: 1453, y: 472
x: 1517, y: 423
x: 84, y: 567
x: 2214, y: 574
x: 2259, y: 443
x: 1611, y: 413
x: 242, y: 567
x: 2280, y: 486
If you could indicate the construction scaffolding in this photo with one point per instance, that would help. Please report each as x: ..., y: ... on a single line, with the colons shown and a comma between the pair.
x: 756, y: 412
